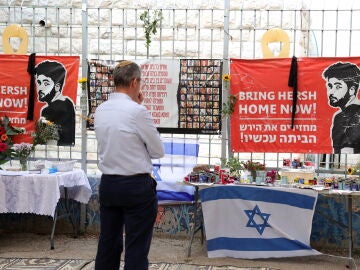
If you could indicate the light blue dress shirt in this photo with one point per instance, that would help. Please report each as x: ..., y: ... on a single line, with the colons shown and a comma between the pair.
x: 127, y: 138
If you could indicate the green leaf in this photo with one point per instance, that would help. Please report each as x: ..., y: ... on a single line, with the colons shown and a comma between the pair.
x: 229, y: 106
x: 150, y: 24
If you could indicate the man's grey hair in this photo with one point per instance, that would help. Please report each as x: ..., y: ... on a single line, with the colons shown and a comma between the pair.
x: 125, y: 72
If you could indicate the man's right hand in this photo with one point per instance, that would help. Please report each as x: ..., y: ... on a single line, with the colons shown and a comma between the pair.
x: 140, y: 98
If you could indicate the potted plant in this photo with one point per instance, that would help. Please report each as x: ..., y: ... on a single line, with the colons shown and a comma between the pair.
x: 45, y: 132
x: 256, y: 168
x: 234, y: 164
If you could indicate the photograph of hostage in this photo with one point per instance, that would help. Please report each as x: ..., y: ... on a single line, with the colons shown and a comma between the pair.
x: 50, y: 79
x: 342, y: 84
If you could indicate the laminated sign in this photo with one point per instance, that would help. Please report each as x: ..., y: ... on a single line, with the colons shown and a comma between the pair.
x: 304, y: 105
x: 182, y: 96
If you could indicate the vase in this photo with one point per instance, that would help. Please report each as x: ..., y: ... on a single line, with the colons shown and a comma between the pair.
x: 253, y: 176
x: 51, y: 142
x: 261, y: 174
x: 24, y: 163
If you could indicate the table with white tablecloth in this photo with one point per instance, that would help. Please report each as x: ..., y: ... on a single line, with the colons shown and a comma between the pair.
x: 34, y: 193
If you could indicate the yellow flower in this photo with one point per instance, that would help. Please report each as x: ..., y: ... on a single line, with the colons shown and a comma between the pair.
x: 82, y: 80
x: 226, y: 77
x: 45, y: 130
x: 350, y: 171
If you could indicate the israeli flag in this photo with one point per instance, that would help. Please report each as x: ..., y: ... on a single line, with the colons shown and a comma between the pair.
x: 258, y: 222
x: 169, y: 171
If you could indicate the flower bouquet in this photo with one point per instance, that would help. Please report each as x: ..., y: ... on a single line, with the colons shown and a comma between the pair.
x: 45, y: 131
x: 7, y: 131
x: 271, y: 176
x: 22, y: 151
x: 254, y: 166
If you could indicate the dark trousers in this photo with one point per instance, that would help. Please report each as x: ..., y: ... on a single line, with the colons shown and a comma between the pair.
x: 130, y: 203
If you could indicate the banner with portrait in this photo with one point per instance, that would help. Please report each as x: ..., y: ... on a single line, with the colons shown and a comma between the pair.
x: 327, y: 109
x: 15, y: 90
x: 182, y: 96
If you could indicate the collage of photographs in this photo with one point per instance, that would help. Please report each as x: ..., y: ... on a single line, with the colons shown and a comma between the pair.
x: 101, y: 84
x: 199, y: 95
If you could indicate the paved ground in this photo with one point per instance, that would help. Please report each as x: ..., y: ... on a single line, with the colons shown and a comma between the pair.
x: 163, y: 249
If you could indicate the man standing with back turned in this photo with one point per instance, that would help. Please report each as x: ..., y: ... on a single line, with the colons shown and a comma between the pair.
x: 127, y: 141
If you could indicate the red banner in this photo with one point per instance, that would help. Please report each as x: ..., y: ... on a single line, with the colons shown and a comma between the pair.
x: 327, y: 118
x: 15, y: 89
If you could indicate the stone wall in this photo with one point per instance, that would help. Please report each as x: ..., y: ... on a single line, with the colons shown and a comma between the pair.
x: 188, y: 28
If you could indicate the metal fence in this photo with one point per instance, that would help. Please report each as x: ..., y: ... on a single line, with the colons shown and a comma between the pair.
x: 113, y: 33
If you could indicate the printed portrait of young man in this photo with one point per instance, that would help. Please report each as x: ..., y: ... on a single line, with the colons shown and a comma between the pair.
x: 342, y: 84
x: 50, y: 78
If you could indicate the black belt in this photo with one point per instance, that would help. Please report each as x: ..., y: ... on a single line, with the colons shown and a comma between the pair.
x: 130, y: 175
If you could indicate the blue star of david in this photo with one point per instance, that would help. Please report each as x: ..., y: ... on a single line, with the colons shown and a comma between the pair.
x: 155, y: 172
x: 251, y: 223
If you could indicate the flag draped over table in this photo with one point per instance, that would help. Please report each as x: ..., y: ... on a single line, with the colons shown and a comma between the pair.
x: 258, y: 222
x: 179, y: 160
